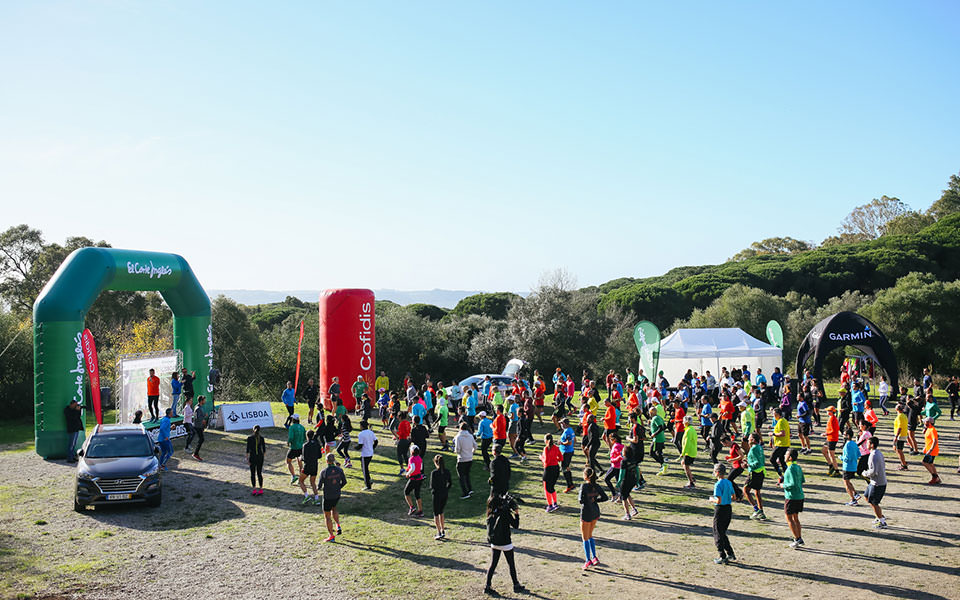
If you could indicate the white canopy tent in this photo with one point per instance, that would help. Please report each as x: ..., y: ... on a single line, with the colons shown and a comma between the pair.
x: 703, y: 350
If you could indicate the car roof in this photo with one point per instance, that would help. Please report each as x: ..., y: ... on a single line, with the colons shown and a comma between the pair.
x: 128, y: 429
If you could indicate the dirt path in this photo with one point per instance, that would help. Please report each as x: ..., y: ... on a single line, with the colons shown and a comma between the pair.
x: 211, y: 539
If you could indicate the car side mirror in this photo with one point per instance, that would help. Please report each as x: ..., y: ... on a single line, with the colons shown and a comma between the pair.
x: 80, y: 452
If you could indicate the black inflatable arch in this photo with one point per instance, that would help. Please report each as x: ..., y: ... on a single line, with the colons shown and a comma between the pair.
x: 847, y: 329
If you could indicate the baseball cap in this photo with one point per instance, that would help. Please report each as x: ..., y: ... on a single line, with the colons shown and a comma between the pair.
x: 483, y: 413
x: 742, y: 404
x: 295, y: 417
x: 831, y: 409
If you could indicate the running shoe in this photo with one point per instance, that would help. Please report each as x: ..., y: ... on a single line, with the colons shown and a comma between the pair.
x: 367, y: 488
x: 935, y: 481
x: 318, y: 502
x: 293, y: 480
x: 568, y: 490
x: 197, y: 456
x: 587, y: 565
x: 852, y: 503
x: 794, y: 544
x: 720, y: 560
x: 634, y: 512
x: 641, y: 485
x: 330, y: 539
x: 663, y: 470
x: 881, y: 525
x: 438, y: 537
x: 514, y: 456
x: 761, y: 516
x: 902, y: 468
x: 595, y: 561
x: 465, y: 496
x: 348, y: 464
x: 410, y: 512
x: 306, y: 500
x: 626, y: 517
x: 519, y: 589
x: 253, y: 493
x: 339, y: 530
x: 548, y: 508
x: 443, y: 534
x: 857, y: 496
x: 731, y: 558
x: 419, y: 513
x: 689, y: 486
x: 490, y: 592
x: 470, y: 493
x: 616, y: 498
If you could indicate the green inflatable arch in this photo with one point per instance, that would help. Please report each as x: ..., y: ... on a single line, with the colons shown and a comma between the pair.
x: 58, y: 322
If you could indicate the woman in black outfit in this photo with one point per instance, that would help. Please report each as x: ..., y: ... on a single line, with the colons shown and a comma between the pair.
x: 440, y: 483
x: 591, y: 495
x: 256, y: 450
x: 591, y: 443
x: 502, y: 515
x: 343, y: 446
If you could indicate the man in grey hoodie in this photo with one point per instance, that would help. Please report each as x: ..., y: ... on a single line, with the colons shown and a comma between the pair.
x: 876, y: 472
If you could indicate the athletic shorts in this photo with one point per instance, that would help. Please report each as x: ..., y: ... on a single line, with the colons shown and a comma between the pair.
x: 413, y: 488
x: 310, y: 469
x: 792, y: 507
x: 928, y: 458
x: 441, y: 429
x: 804, y: 428
x: 292, y: 454
x: 609, y: 432
x: 832, y: 445
x: 330, y: 503
x: 875, y: 493
x: 688, y: 460
x: 311, y: 404
x: 755, y: 481
x: 900, y: 444
x: 439, y: 503
x: 848, y: 475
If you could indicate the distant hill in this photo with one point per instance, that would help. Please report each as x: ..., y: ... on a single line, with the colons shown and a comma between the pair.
x: 442, y: 298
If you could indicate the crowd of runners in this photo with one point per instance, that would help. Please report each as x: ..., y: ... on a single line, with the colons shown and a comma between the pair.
x: 745, y: 424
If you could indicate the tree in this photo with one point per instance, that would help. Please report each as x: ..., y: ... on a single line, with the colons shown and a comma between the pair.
x: 661, y: 304
x: 494, y: 305
x: 16, y: 365
x: 739, y: 306
x: 427, y: 311
x: 774, y: 245
x: 20, y: 247
x: 908, y: 223
x: 949, y: 201
x: 238, y: 350
x: 867, y: 222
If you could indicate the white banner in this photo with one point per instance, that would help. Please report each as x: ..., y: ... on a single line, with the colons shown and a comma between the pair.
x: 133, y: 371
x: 176, y: 430
x: 237, y: 417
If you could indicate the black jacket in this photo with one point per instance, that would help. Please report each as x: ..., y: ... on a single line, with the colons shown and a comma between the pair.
x: 74, y: 419
x: 500, y: 473
x: 256, y: 446
x: 311, y: 452
x: 499, y: 523
x: 419, y: 435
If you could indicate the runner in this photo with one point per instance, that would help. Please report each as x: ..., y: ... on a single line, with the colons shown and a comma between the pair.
x: 366, y: 443
x: 781, y: 443
x: 567, y: 440
x: 793, y: 497
x: 163, y: 439
x: 609, y: 422
x: 513, y: 425
x: 188, y: 423
x: 383, y: 406
x: 832, y: 435
x: 629, y: 476
x: 440, y: 484
x: 289, y: 402
x: 403, y: 442
x: 864, y: 446
x: 689, y: 452
x: 590, y: 497
x: 851, y: 456
x: 735, y: 457
x: 414, y: 475
x: 464, y: 445
x: 503, y: 514
x: 748, y: 422
x: 658, y: 439
x: 722, y: 513
x: 613, y: 473
x: 591, y: 443
x: 175, y: 389
x: 343, y: 445
x: 804, y: 424
x: 678, y: 415
x: 296, y: 437
x: 900, y: 435
x: 443, y: 417
x: 256, y: 450
x: 500, y: 428
x: 199, y: 424
x: 310, y: 393
x: 876, y: 471
x: 153, y: 396
x: 755, y: 465
x: 332, y: 479
x: 551, y: 457
x: 485, y: 435
x: 311, y: 456
x: 931, y: 448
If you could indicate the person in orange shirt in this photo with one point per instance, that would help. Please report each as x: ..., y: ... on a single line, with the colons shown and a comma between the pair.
x: 633, y: 400
x: 153, y: 396
x: 539, y: 393
x: 609, y: 422
x: 830, y: 446
x: 726, y: 414
x: 500, y: 428
x: 678, y: 415
x: 871, y: 416
x: 931, y: 448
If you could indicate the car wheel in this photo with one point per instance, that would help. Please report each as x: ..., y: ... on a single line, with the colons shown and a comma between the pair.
x: 154, y: 502
x: 77, y: 506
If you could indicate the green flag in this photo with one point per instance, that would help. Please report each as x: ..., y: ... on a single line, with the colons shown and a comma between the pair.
x: 775, y: 334
x: 647, y: 337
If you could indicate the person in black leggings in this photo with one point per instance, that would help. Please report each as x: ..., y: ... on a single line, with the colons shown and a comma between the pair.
x: 503, y: 514
x: 343, y: 446
x: 591, y: 444
x: 256, y: 450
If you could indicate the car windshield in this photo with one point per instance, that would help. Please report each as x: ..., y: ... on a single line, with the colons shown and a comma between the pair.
x: 119, y: 446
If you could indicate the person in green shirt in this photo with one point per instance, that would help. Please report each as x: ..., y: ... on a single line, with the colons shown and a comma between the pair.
x: 793, y: 496
x: 689, y: 452
x: 757, y: 472
x: 931, y: 410
x: 631, y: 378
x: 748, y: 420
x: 339, y: 411
x: 359, y: 390
x: 657, y: 438
x: 442, y: 418
x: 296, y: 437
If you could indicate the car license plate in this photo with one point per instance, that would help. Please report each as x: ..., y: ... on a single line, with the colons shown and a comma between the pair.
x: 119, y: 496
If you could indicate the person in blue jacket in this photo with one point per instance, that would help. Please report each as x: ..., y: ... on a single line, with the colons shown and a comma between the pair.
x: 859, y: 402
x: 776, y: 380
x: 176, y: 387
x: 485, y: 435
x: 163, y: 439
x: 850, y: 458
x: 289, y: 398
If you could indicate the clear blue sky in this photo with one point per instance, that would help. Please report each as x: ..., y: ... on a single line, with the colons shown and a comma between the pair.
x: 462, y: 145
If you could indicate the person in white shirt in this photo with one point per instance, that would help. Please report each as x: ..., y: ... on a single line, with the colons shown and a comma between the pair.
x: 366, y: 442
x: 464, y: 445
x: 884, y: 390
x: 188, y: 421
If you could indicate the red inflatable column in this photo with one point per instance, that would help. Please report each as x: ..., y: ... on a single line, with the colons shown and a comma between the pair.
x: 347, y: 346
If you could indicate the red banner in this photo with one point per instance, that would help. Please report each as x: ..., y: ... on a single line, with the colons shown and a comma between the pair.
x: 93, y: 373
x: 296, y: 378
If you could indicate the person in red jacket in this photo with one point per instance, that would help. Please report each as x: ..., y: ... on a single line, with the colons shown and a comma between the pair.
x: 551, y: 457
x: 609, y: 422
x: 403, y: 442
x: 830, y: 445
x: 678, y: 426
x: 726, y: 414
x: 500, y: 428
x: 153, y: 396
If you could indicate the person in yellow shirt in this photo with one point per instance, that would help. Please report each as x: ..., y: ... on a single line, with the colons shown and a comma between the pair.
x: 781, y: 442
x: 382, y: 382
x: 931, y: 448
x: 900, y: 434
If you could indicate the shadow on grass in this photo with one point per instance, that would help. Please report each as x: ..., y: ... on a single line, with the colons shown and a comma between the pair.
x: 682, y: 586
x: 419, y: 558
x: 860, y: 587
x: 893, y: 562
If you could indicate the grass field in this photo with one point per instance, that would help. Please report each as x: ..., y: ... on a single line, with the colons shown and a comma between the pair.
x: 270, y: 546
